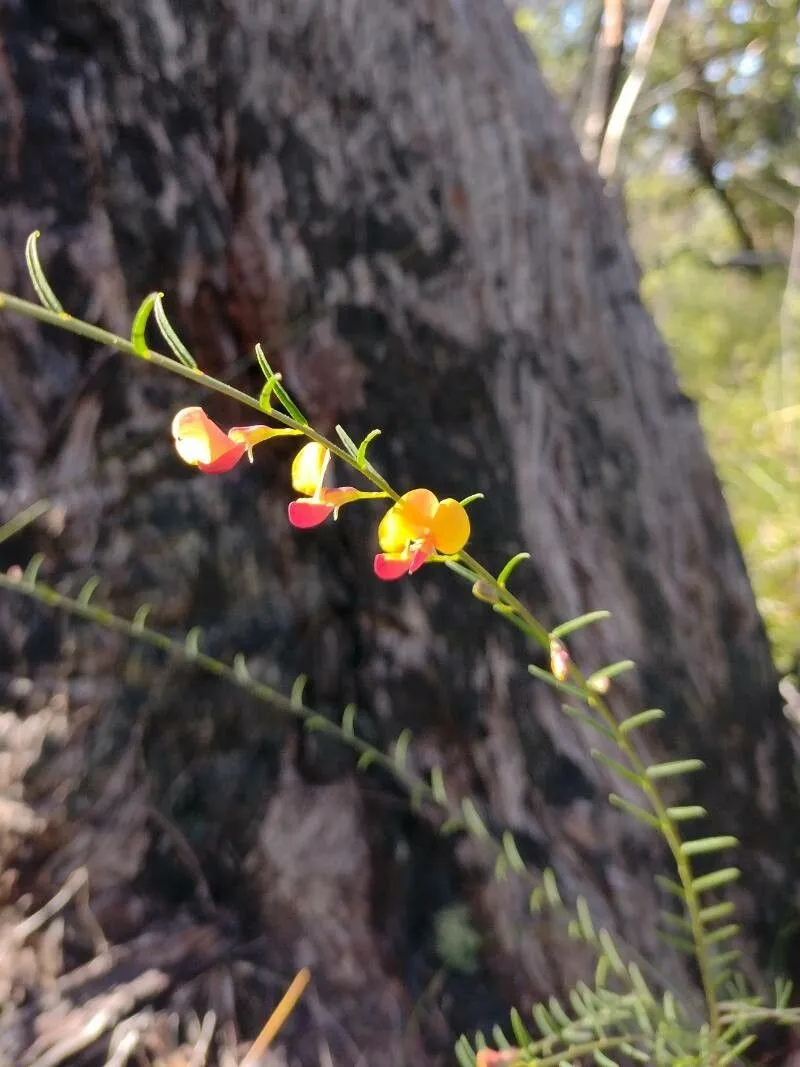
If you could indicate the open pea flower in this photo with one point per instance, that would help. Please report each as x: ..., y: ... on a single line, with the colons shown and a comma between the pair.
x: 415, y: 528
x: 202, y: 444
x: 317, y: 500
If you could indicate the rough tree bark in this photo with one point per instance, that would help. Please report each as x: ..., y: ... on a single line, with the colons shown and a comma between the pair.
x: 384, y: 194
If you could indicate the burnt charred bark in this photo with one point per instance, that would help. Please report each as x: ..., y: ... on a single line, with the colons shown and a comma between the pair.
x: 385, y: 195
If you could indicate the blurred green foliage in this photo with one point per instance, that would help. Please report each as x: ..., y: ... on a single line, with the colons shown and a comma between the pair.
x: 710, y: 165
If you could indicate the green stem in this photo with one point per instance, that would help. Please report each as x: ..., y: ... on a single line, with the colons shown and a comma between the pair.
x: 67, y: 322
x: 45, y: 594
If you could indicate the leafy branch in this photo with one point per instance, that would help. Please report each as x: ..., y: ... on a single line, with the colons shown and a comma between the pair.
x: 701, y: 929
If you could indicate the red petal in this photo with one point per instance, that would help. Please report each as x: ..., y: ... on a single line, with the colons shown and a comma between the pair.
x: 304, y: 514
x: 225, y: 461
x: 388, y: 568
x: 420, y: 556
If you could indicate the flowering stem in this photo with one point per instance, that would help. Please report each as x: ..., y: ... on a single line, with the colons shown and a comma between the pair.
x: 514, y: 607
x: 65, y: 321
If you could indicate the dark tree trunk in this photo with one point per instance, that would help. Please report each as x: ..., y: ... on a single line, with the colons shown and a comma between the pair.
x: 384, y: 194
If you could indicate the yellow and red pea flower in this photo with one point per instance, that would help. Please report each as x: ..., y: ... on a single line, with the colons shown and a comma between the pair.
x: 202, y: 444
x: 316, y: 502
x: 415, y: 527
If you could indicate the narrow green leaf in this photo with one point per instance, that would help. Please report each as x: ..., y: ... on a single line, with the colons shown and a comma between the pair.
x: 543, y: 1021
x: 140, y: 618
x: 678, y: 922
x: 708, y: 844
x: 263, y: 364
x: 735, y: 1053
x: 627, y: 806
x: 87, y: 592
x: 680, y: 944
x: 562, y: 687
x: 499, y: 1038
x: 669, y: 886
x: 536, y: 900
x: 361, y: 455
x: 350, y: 447
x: 464, y: 1053
x: 513, y: 563
x: 642, y: 1017
x: 613, y: 670
x: 522, y: 1036
x: 602, y: 1060
x: 601, y: 971
x: 500, y: 867
x: 585, y: 719
x: 265, y: 396
x: 240, y: 668
x: 550, y: 886
x: 716, y: 879
x: 31, y: 574
x: 639, y: 984
x: 24, y: 518
x: 589, y: 997
x: 566, y: 628
x: 139, y: 325
x: 512, y: 852
x: 579, y: 1006
x: 610, y: 950
x: 473, y: 820
x: 687, y: 811
x: 783, y: 992
x: 642, y: 718
x: 40, y: 283
x: 574, y: 1034
x: 178, y: 348
x: 585, y: 920
x: 401, y: 749
x: 724, y: 980
x: 670, y: 1011
x: 673, y: 768
x: 298, y: 689
x: 451, y: 826
x: 635, y: 1053
x: 365, y: 760
x: 713, y: 937
x: 191, y: 644
x: 618, y: 768
x: 278, y: 388
x: 557, y: 1012
x: 349, y: 721
x: 437, y: 786
x: 471, y: 499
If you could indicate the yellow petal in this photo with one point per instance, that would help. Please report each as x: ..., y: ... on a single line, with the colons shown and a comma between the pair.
x: 407, y: 520
x: 198, y: 439
x: 250, y: 435
x: 392, y: 533
x: 417, y: 509
x: 308, y: 468
x: 450, y: 527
